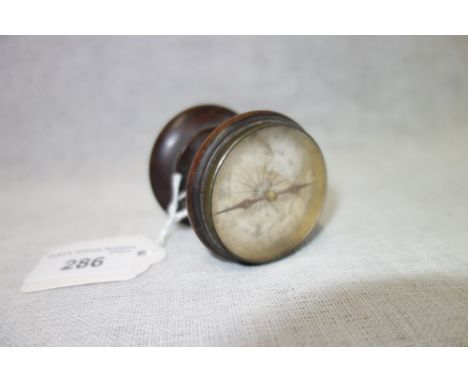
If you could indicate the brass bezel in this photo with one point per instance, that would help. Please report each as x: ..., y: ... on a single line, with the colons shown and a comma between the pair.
x: 215, y: 165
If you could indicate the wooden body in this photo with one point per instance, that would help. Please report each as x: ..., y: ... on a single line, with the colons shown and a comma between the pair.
x: 177, y: 144
x: 194, y: 143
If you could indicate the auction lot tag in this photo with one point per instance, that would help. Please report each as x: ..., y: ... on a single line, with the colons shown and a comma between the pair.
x: 117, y: 258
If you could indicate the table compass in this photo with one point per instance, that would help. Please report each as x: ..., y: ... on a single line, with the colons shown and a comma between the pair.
x: 255, y: 182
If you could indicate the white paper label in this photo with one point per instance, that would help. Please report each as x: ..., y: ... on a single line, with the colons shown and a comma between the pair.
x: 117, y: 258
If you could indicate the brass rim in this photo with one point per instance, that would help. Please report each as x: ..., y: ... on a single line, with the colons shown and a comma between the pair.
x: 213, y: 161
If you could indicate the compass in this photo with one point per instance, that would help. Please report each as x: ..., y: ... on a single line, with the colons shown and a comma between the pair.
x: 255, y: 182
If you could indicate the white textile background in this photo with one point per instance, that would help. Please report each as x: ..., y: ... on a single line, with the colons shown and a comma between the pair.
x: 389, y: 264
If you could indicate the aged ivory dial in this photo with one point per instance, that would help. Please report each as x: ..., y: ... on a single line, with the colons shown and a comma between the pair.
x: 267, y: 193
x: 255, y: 182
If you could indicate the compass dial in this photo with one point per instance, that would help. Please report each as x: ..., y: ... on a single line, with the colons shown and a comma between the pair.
x: 267, y: 193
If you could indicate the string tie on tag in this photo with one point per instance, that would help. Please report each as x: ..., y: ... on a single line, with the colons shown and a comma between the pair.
x: 174, y: 216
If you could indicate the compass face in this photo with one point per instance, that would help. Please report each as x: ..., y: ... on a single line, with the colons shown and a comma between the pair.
x: 267, y: 193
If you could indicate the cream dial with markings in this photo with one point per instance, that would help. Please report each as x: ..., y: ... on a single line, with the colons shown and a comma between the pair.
x: 268, y: 193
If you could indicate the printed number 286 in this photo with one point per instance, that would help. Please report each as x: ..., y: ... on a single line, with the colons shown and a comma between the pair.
x: 83, y: 263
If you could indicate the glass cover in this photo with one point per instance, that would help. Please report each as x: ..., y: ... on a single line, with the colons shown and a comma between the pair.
x: 268, y: 193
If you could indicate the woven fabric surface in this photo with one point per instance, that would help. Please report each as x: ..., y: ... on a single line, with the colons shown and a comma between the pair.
x: 388, y: 265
